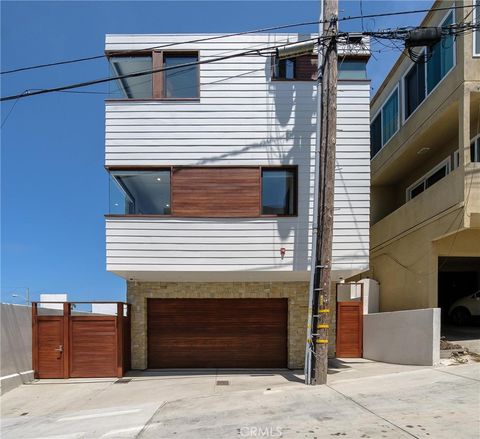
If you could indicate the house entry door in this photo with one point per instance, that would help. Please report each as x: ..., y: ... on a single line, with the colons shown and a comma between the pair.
x: 50, y: 347
x: 349, y: 341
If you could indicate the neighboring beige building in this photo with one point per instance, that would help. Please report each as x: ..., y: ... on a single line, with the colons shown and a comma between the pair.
x: 425, y: 208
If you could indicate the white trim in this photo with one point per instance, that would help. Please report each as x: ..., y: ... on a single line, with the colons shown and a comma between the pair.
x: 432, y: 171
x: 456, y: 159
x: 475, y: 49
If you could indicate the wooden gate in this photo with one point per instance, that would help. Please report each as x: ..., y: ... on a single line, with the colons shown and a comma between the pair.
x: 80, y: 345
x: 349, y: 340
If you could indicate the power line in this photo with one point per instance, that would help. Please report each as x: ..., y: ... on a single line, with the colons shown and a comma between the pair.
x: 141, y: 73
x: 214, y: 37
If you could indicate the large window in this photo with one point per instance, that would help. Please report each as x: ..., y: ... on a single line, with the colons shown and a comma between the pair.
x: 205, y: 191
x: 440, y: 57
x: 278, y: 191
x: 140, y: 192
x: 414, y: 88
x: 385, y: 124
x: 173, y: 83
x: 429, y: 179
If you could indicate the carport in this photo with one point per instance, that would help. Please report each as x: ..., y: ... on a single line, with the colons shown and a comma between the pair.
x: 457, y: 277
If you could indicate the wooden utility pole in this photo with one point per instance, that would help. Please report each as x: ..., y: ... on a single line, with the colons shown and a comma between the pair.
x: 320, y: 304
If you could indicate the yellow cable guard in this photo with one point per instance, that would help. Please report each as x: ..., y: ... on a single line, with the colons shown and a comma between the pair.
x: 322, y: 341
x: 322, y: 326
x: 323, y: 310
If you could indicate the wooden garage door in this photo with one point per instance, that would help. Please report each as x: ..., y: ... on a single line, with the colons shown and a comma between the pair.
x: 230, y: 333
x: 93, y: 346
x: 349, y: 329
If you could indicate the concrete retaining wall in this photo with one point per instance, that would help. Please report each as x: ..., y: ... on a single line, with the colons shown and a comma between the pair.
x: 16, y: 346
x: 403, y: 337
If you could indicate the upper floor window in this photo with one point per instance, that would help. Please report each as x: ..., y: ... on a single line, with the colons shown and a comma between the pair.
x: 278, y: 191
x: 173, y: 83
x: 386, y: 123
x: 414, y: 88
x: 440, y: 57
x: 476, y: 33
x: 300, y: 68
x: 429, y: 179
x: 140, y: 192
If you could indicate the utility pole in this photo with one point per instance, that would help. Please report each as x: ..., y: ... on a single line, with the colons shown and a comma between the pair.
x: 319, y: 308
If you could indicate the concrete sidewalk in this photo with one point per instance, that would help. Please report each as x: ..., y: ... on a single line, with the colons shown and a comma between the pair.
x: 362, y: 400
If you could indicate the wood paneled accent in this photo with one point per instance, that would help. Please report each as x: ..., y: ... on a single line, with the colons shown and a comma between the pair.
x: 216, y: 191
x: 349, y: 329
x: 93, y: 346
x: 81, y: 346
x: 49, y: 343
x: 191, y: 333
x: 306, y: 68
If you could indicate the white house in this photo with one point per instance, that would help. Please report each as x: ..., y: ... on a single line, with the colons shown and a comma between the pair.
x: 211, y: 200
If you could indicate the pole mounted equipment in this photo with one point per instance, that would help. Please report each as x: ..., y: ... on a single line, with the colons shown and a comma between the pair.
x: 296, y: 49
x: 423, y: 37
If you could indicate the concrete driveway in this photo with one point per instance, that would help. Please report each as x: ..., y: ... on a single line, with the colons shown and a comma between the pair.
x: 362, y: 400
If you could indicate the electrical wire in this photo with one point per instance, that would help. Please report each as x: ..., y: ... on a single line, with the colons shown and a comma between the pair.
x: 147, y: 72
x: 214, y: 37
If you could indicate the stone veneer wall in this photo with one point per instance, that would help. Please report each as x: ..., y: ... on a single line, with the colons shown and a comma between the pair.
x: 295, y: 292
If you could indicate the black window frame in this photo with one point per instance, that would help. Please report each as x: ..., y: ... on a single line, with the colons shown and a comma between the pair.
x: 290, y: 168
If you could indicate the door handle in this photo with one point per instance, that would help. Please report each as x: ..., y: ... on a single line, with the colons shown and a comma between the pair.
x: 59, y: 349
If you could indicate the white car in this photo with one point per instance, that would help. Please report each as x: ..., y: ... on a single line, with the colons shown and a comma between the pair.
x: 464, y: 309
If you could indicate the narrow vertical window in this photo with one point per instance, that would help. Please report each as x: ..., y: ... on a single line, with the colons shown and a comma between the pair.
x: 476, y: 33
x: 440, y: 57
x: 414, y: 88
x: 181, y: 82
x: 390, y: 117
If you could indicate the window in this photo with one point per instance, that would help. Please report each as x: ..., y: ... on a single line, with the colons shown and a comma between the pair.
x: 440, y: 57
x: 475, y: 150
x: 476, y: 33
x: 140, y: 192
x: 181, y: 82
x: 390, y: 117
x: 139, y: 87
x: 414, y: 86
x: 301, y: 68
x: 385, y: 124
x: 278, y: 191
x: 178, y: 83
x: 355, y: 69
x: 429, y: 179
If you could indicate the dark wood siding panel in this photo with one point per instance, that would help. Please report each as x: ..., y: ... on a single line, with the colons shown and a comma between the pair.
x: 191, y: 333
x: 349, y: 329
x: 306, y: 68
x: 216, y: 192
x: 93, y: 347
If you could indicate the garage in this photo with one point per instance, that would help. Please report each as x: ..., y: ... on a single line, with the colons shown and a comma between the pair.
x: 458, y: 278
x: 217, y: 333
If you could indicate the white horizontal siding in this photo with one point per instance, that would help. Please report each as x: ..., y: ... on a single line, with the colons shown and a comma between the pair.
x: 242, y: 118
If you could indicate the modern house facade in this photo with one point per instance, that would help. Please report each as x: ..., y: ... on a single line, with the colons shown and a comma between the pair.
x: 425, y: 235
x: 212, y: 171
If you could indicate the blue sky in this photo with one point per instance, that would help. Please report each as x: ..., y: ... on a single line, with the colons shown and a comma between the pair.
x: 53, y: 185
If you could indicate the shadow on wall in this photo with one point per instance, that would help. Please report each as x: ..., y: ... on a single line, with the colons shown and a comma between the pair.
x: 286, y: 100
